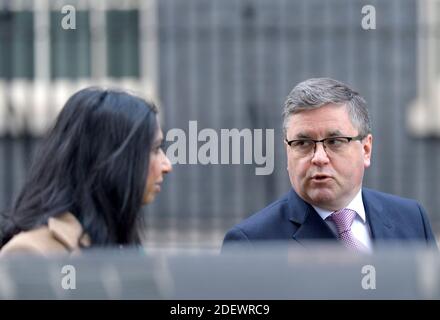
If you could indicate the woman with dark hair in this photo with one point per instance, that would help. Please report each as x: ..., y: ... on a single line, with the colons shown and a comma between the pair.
x: 98, y: 165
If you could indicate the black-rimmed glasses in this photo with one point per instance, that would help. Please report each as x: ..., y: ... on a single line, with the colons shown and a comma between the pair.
x: 335, y: 144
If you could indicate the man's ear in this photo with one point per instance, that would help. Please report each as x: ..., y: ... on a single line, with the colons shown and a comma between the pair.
x: 286, y: 147
x: 367, y: 149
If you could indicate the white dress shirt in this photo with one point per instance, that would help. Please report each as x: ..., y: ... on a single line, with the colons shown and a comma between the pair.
x: 359, y: 228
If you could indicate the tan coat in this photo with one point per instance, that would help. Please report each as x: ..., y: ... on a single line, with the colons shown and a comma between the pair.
x: 60, y: 236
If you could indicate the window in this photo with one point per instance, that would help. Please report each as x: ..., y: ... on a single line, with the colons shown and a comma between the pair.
x: 123, y: 43
x: 16, y: 44
x: 70, y: 49
x: 424, y: 112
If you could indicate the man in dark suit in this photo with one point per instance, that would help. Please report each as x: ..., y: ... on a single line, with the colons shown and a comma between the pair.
x: 328, y: 143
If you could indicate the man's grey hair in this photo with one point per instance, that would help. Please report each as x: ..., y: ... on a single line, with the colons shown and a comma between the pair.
x: 317, y: 92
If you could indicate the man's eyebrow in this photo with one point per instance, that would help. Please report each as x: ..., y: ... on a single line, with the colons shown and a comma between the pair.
x: 302, y: 135
x: 334, y: 133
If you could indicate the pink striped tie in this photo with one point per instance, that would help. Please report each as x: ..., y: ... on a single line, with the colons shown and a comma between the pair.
x: 343, y: 220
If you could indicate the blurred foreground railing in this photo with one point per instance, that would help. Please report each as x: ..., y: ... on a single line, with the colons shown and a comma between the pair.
x: 270, y: 272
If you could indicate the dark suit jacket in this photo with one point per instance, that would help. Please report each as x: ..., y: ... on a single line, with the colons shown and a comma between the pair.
x: 390, y: 218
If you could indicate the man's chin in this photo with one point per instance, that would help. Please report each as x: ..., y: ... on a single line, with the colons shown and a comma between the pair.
x: 321, y: 198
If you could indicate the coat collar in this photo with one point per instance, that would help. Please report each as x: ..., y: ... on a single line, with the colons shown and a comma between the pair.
x: 310, y: 225
x: 68, y: 230
x: 379, y: 221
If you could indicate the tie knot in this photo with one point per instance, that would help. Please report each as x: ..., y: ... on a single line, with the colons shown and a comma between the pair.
x: 343, y: 219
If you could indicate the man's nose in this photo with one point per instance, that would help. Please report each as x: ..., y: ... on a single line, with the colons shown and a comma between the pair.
x: 320, y: 156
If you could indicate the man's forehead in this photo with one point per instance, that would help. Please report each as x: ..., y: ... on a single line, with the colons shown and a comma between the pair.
x: 327, y: 110
x: 328, y: 126
x: 328, y: 123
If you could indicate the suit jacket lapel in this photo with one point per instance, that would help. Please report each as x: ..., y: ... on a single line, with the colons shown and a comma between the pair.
x: 378, y: 220
x: 310, y: 225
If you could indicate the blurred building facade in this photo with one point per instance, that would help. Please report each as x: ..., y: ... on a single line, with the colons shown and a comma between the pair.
x: 225, y: 64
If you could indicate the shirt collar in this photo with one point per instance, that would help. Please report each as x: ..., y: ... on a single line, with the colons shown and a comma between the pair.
x: 356, y: 204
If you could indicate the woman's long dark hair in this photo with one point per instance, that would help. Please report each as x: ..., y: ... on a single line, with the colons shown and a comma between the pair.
x: 94, y: 164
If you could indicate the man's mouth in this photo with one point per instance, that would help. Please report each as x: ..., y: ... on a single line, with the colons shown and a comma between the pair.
x: 321, y: 177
